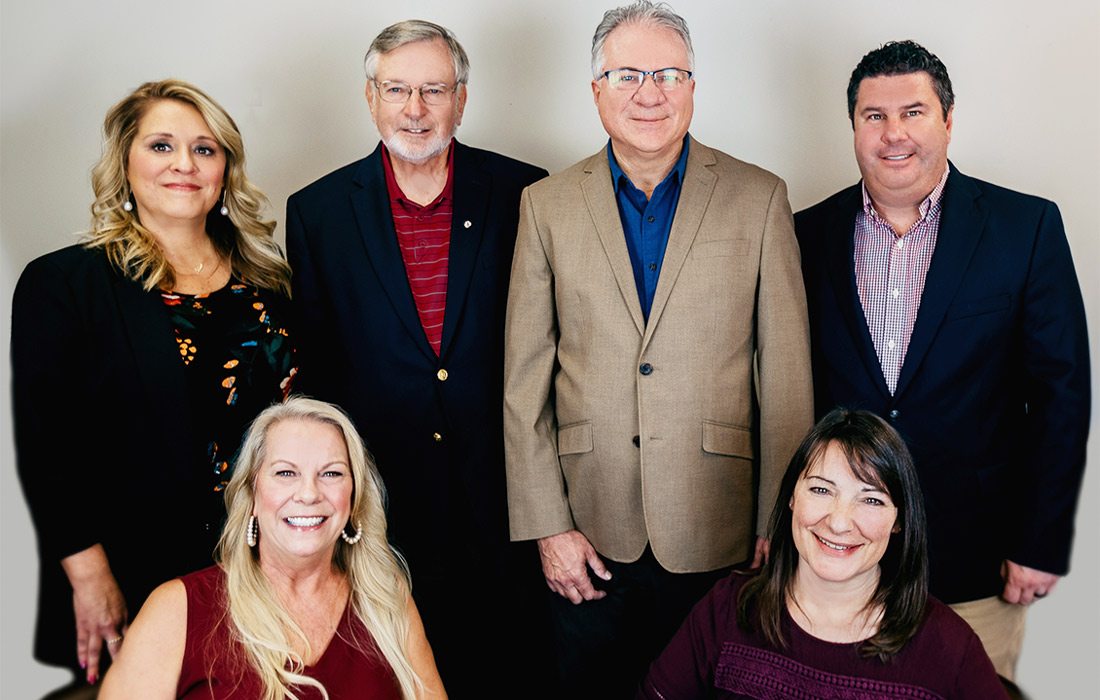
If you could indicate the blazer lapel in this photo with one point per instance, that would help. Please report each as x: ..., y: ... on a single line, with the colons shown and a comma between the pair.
x: 471, y: 210
x: 371, y: 205
x: 695, y: 194
x: 599, y: 196
x: 840, y: 262
x: 961, y: 224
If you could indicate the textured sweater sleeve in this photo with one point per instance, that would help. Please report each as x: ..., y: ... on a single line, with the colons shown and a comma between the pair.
x: 685, y: 669
x: 977, y: 680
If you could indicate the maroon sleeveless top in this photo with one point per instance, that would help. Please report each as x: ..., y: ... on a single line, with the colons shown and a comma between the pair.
x: 215, y: 667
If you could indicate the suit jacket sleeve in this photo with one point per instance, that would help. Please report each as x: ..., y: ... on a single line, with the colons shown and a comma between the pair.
x: 537, y: 503
x: 52, y: 408
x: 308, y: 307
x: 1057, y: 391
x: 785, y: 383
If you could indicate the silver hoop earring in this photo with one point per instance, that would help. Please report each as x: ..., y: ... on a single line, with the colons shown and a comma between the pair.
x: 356, y: 537
x: 252, y: 533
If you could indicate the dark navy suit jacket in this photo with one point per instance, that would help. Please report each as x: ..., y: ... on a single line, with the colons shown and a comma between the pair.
x: 993, y: 397
x: 433, y: 423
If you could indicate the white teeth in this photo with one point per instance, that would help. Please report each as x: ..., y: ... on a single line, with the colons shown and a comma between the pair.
x: 306, y: 522
x: 837, y: 547
x: 897, y: 157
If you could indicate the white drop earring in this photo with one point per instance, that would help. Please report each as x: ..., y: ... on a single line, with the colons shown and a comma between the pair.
x: 127, y: 205
x: 252, y: 532
x: 224, y: 211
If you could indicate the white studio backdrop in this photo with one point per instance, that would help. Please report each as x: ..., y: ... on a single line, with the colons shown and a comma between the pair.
x: 771, y: 79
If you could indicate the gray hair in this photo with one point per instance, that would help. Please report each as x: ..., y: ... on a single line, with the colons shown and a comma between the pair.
x: 641, y: 12
x: 412, y: 30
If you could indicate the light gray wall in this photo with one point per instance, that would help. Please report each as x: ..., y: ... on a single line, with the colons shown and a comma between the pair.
x: 771, y: 81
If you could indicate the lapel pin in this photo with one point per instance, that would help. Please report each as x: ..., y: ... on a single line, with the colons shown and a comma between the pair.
x: 467, y: 224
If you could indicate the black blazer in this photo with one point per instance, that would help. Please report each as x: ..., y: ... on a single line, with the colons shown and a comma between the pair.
x: 433, y: 423
x: 993, y: 397
x: 103, y: 434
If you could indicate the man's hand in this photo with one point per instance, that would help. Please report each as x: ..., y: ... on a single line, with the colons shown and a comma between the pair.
x: 1024, y: 585
x: 564, y: 557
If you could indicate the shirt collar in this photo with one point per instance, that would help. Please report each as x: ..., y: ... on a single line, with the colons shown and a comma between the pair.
x: 618, y: 176
x: 925, y: 207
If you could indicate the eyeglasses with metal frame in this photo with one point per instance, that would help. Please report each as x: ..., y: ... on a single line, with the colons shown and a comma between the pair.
x: 394, y: 92
x: 631, y: 79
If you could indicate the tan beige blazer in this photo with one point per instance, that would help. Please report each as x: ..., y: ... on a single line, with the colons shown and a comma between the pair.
x: 674, y: 432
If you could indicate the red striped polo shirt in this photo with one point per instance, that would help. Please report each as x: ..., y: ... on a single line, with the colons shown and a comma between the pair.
x: 424, y: 237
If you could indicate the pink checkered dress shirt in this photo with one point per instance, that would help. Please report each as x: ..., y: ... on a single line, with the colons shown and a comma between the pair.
x: 890, y: 273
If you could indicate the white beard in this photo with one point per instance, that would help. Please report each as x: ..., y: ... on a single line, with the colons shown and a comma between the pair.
x: 418, y: 153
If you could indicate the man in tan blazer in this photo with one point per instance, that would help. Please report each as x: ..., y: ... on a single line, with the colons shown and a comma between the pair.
x: 657, y: 375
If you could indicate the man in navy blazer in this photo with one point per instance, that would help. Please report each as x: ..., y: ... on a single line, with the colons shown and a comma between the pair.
x: 950, y: 307
x: 401, y: 267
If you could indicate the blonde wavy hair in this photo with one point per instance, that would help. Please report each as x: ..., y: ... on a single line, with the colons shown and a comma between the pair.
x: 377, y: 575
x: 244, y: 236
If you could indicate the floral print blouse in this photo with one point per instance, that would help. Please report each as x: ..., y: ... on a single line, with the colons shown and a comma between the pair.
x: 238, y: 359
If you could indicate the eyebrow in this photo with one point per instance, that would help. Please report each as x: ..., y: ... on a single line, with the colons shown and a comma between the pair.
x: 866, y: 489
x: 904, y: 108
x: 406, y: 83
x: 167, y: 134
x: 335, y: 462
x: 642, y: 70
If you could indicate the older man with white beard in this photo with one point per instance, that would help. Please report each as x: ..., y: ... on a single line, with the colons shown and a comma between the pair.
x: 401, y: 268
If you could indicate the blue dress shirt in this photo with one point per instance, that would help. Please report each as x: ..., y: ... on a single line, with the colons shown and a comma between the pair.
x: 647, y: 223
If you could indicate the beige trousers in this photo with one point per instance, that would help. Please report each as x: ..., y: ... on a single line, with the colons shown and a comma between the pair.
x: 1000, y: 626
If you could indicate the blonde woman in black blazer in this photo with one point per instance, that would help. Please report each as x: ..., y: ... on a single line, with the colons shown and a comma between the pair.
x: 139, y: 357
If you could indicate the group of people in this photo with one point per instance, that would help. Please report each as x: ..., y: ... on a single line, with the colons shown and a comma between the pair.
x: 661, y: 334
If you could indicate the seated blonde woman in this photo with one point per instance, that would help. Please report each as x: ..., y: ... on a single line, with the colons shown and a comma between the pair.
x: 308, y: 600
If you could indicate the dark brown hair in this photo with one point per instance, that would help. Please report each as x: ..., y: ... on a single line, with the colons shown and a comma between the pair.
x: 877, y: 456
x: 902, y: 58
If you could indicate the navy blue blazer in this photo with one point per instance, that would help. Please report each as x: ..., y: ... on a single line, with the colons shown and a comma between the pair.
x: 993, y: 397
x: 433, y: 423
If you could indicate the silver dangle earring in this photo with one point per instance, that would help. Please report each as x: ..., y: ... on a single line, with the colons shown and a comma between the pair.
x: 252, y: 533
x: 224, y: 211
x: 354, y: 538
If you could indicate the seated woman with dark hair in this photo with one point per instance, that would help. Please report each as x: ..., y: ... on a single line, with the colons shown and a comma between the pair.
x: 308, y: 599
x: 841, y: 609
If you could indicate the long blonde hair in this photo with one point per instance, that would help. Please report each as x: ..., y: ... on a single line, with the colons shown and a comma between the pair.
x: 376, y: 574
x: 243, y: 236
